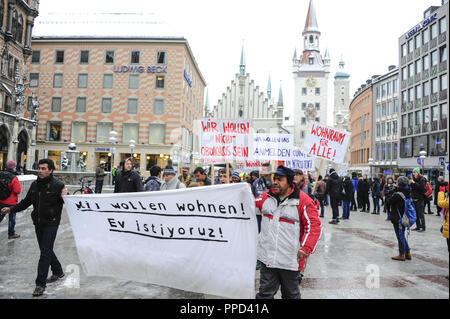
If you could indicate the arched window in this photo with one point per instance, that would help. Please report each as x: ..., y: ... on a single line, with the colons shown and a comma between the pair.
x: 14, y: 23
x: 311, y: 39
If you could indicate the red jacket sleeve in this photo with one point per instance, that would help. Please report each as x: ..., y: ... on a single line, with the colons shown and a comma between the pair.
x: 310, y: 224
x: 15, y: 186
x: 259, y: 201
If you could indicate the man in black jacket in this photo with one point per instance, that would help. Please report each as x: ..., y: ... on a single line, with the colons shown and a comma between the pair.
x: 128, y: 181
x: 45, y: 194
x: 363, y: 191
x: 335, y: 190
x: 418, y: 183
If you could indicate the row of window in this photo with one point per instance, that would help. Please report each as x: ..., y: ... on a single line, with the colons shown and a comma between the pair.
x: 424, y: 37
x: 130, y: 131
x: 109, y: 57
x: 386, y: 129
x: 107, y: 105
x: 433, y: 144
x: 386, y: 151
x: 426, y: 116
x: 387, y: 89
x: 423, y: 64
x: 422, y: 90
x: 305, y: 91
x: 108, y: 81
x: 386, y: 108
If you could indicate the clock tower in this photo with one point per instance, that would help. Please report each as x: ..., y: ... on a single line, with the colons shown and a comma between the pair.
x: 311, y: 72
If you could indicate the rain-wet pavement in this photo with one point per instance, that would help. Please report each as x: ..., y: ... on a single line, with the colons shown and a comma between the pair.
x: 352, y: 260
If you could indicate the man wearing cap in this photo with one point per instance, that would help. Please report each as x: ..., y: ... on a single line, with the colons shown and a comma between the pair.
x: 170, y: 181
x: 418, y: 183
x: 99, y: 177
x: 10, y: 189
x: 289, y: 233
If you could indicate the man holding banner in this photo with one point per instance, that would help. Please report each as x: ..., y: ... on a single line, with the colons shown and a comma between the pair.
x: 289, y: 233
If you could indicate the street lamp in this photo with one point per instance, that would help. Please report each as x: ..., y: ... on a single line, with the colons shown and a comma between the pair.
x: 423, y: 155
x: 112, y: 139
x: 132, y: 145
x: 370, y: 165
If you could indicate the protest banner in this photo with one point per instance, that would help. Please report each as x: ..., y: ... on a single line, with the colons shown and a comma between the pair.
x: 251, y: 165
x: 300, y: 160
x: 272, y: 146
x: 326, y: 143
x: 343, y: 169
x: 222, y: 140
x: 200, y: 239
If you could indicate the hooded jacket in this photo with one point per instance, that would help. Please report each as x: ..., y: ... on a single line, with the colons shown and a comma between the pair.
x: 128, y: 182
x: 174, y: 183
x: 14, y: 187
x: 287, y: 226
x: 398, y: 204
x: 334, y: 186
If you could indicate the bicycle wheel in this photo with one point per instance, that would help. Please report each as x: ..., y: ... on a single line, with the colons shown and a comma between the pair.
x: 77, y: 192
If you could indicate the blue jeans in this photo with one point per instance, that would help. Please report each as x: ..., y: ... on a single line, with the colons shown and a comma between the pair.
x: 376, y: 204
x: 346, y: 208
x: 322, y: 207
x: 402, y: 242
x: 12, y: 220
x: 46, y: 236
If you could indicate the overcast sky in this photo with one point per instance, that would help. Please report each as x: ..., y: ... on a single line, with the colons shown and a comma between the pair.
x: 365, y: 33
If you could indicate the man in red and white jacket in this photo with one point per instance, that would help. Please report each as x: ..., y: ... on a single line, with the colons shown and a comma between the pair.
x: 10, y: 177
x: 290, y: 230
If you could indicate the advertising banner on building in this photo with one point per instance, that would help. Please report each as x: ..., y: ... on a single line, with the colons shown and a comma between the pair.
x: 326, y: 143
x: 300, y: 160
x: 272, y: 146
x: 199, y: 239
x: 224, y: 140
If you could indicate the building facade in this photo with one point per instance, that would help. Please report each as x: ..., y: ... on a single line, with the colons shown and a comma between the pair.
x: 244, y: 100
x: 423, y: 60
x: 385, y: 140
x: 361, y: 129
x: 341, y: 113
x: 17, y: 116
x: 148, y: 90
x: 311, y: 72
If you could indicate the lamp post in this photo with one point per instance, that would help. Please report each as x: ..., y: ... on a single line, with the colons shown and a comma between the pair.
x: 423, y: 155
x: 370, y: 165
x: 132, y: 145
x: 112, y: 139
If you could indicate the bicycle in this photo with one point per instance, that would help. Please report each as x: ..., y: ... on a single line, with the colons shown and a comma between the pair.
x: 84, y: 189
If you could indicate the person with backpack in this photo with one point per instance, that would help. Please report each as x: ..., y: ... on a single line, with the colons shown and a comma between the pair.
x: 428, y: 197
x: 418, y: 184
x: 401, y: 203
x: 170, y: 182
x: 9, y: 191
x: 153, y: 183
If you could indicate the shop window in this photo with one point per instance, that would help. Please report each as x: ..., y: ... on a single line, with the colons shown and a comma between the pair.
x: 420, y: 143
x: 438, y: 144
x: 54, y: 130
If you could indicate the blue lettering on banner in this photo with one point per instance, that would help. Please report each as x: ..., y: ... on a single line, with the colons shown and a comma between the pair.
x: 188, y: 79
x: 387, y: 172
x: 421, y: 25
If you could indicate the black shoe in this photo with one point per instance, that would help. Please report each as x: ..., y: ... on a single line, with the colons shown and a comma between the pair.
x: 362, y: 211
x: 372, y: 213
x: 54, y: 278
x: 421, y: 230
x: 334, y: 222
x: 38, y: 291
x: 321, y: 216
x: 438, y: 214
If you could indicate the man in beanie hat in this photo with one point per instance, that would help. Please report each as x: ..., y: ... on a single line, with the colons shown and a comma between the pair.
x: 418, y: 183
x: 9, y: 191
x: 170, y: 182
x: 289, y: 233
x: 235, y: 178
x: 128, y: 180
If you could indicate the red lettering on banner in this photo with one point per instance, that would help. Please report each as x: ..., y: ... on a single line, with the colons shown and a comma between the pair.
x: 225, y: 139
x: 209, y: 126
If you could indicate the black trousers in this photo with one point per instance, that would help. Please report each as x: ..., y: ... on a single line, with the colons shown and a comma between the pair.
x: 98, y: 186
x: 272, y: 278
x: 46, y: 236
x: 335, y: 207
x: 419, y: 205
x: 365, y: 202
x: 353, y: 203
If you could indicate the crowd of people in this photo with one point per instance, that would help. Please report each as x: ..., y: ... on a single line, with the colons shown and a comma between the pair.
x: 289, y: 205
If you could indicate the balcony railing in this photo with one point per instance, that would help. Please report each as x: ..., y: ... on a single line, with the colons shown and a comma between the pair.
x: 417, y: 129
x: 442, y: 66
x: 409, y: 106
x: 442, y: 37
x: 416, y: 53
x: 434, y: 97
x: 418, y: 103
x: 425, y: 74
x: 426, y: 127
x: 424, y: 48
x: 433, y: 43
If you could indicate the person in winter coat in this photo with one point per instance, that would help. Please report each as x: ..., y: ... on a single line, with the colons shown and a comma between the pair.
x: 418, y: 183
x: 128, y: 181
x: 289, y: 233
x: 153, y: 183
x: 376, y: 194
x: 346, y: 202
x: 363, y: 191
x: 170, y: 181
x: 10, y: 181
x: 354, y: 181
x: 398, y: 209
x: 443, y: 203
x: 45, y: 194
x: 335, y: 190
x: 320, y: 192
x: 99, y: 177
x: 388, y: 190
x: 437, y: 187
x: 201, y: 177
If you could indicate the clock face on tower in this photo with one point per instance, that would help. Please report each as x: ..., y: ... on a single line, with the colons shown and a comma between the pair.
x: 311, y: 82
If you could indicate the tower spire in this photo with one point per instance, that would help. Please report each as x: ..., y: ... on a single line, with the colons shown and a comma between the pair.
x: 269, y: 89
x: 311, y: 20
x: 242, y: 65
x: 280, y: 97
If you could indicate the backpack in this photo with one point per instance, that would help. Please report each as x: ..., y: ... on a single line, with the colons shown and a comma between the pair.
x: 409, y: 215
x: 5, y: 180
x: 428, y: 190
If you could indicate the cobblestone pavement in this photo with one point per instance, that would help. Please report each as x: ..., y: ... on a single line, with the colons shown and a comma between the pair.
x: 352, y: 260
